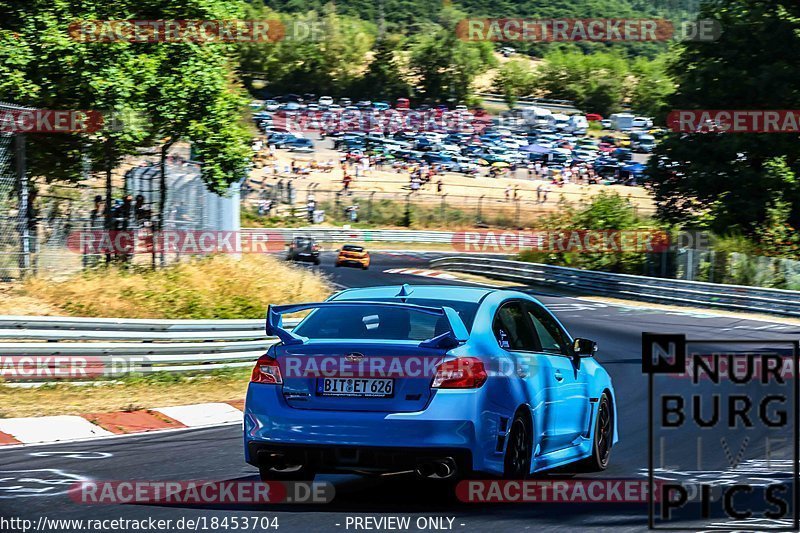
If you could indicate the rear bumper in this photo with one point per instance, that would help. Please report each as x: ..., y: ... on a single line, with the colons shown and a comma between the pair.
x: 305, y: 256
x: 352, y: 262
x: 343, y: 458
x: 454, y: 424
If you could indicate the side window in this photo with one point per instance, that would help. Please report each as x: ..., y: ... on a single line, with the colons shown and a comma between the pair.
x: 513, y: 330
x: 551, y: 336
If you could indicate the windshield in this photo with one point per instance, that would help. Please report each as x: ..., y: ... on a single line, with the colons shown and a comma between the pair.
x: 372, y: 322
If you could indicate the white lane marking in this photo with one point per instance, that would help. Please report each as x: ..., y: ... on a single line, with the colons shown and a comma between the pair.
x: 50, y: 428
x: 202, y: 414
x: 158, y: 432
x: 39, y: 482
x: 73, y: 455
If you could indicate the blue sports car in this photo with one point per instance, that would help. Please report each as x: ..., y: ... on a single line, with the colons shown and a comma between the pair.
x: 440, y: 380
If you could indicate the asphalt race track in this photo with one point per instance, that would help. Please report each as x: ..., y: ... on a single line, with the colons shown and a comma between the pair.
x: 29, y: 476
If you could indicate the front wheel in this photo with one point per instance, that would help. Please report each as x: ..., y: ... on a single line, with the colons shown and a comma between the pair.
x: 364, y: 267
x: 517, y: 464
x: 603, y: 436
x: 299, y: 474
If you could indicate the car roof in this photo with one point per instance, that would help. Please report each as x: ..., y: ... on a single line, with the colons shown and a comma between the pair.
x: 431, y: 292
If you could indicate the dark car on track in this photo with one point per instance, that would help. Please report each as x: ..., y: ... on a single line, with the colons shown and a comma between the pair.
x: 303, y: 249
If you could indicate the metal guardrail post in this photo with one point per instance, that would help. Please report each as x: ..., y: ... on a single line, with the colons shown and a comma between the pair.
x: 24, y: 208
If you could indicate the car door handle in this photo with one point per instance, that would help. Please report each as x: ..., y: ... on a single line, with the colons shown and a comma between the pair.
x: 559, y: 377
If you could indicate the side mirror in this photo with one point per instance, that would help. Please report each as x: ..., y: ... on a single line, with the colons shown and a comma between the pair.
x: 584, y: 347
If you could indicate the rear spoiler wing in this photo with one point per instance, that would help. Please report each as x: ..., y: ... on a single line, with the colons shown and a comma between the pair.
x: 458, y: 331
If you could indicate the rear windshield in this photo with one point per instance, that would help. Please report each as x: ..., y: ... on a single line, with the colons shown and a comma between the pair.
x: 350, y: 248
x: 372, y: 322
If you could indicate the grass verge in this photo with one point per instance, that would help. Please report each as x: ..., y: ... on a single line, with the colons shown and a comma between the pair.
x: 127, y: 394
x: 206, y: 288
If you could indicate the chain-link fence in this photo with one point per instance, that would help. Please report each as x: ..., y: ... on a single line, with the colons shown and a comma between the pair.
x: 424, y: 208
x: 43, y: 226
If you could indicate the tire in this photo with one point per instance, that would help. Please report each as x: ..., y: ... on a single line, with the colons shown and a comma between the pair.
x: 337, y: 265
x: 303, y: 474
x: 364, y: 267
x: 519, y: 447
x: 602, y: 440
x: 316, y: 261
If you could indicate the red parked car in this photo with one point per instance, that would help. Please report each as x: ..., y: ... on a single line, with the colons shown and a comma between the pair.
x: 593, y: 117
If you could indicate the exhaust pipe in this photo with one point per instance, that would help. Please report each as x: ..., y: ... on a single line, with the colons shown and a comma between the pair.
x: 446, y: 468
x: 439, y: 469
x: 424, y: 470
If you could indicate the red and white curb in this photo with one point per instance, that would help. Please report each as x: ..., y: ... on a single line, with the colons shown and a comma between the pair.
x: 65, y: 428
x: 421, y: 272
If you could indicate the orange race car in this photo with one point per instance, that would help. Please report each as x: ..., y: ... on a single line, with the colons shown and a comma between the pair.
x: 351, y: 255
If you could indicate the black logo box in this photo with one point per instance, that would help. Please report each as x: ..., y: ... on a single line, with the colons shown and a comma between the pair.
x: 666, y: 353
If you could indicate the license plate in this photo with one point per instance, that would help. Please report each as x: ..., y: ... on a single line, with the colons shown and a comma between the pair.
x: 359, y: 387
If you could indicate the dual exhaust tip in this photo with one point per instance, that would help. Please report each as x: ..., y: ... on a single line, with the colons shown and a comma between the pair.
x: 435, y: 469
x: 438, y: 469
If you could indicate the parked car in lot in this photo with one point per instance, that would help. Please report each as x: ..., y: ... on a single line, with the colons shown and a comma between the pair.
x: 300, y: 145
x: 282, y: 140
x: 642, y: 142
x: 491, y: 383
x: 622, y: 154
x: 325, y: 101
x: 303, y: 249
x: 352, y: 255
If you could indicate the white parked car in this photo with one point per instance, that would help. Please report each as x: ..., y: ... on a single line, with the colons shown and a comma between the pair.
x: 642, y: 122
x: 271, y: 105
x: 325, y: 100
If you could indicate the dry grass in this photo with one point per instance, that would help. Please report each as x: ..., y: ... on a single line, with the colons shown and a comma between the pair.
x: 126, y: 396
x: 213, y: 287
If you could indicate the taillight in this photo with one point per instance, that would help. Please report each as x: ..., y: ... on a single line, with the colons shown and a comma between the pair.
x: 267, y: 371
x: 461, y: 373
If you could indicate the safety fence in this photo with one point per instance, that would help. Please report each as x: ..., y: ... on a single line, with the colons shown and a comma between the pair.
x: 659, y: 290
x: 109, y: 348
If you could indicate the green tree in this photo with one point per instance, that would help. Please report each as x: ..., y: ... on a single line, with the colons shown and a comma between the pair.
x: 652, y: 88
x: 322, y: 52
x: 383, y: 80
x: 728, y: 181
x: 594, y: 82
x: 444, y: 66
x: 514, y: 79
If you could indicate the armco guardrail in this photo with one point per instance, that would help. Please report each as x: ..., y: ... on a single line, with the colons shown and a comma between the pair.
x: 666, y: 291
x: 338, y: 235
x: 122, y: 346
